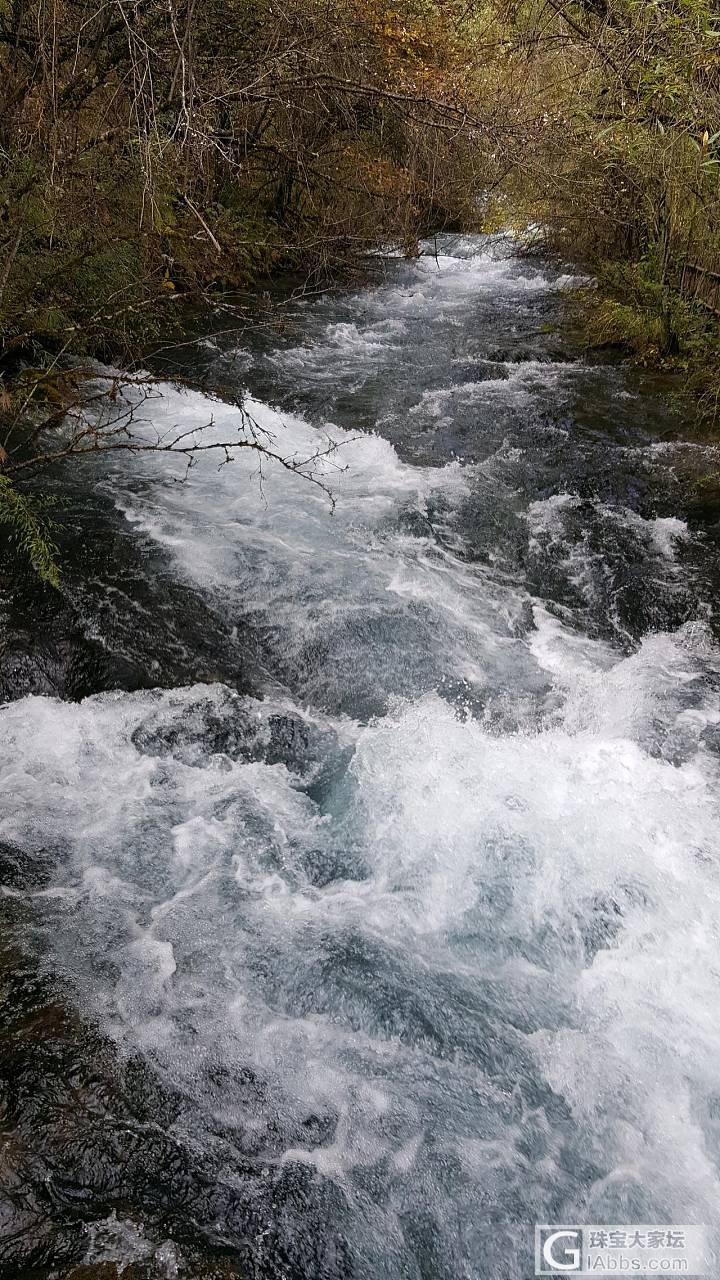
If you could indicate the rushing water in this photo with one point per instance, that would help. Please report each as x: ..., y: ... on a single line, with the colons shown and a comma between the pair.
x: 412, y: 906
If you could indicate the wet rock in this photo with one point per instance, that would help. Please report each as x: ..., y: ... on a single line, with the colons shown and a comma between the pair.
x: 19, y: 870
x: 88, y: 1138
x: 121, y: 621
x: 43, y: 649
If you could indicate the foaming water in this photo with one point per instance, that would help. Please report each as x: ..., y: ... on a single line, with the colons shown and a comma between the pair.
x: 433, y: 919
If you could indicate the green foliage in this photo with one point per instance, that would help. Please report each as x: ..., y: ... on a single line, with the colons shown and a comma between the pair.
x: 614, y: 322
x: 618, y: 159
x: 26, y: 519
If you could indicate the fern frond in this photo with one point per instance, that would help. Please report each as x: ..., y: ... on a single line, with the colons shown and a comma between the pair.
x: 31, y: 528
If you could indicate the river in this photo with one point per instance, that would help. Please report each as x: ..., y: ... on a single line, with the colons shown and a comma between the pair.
x: 376, y: 918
